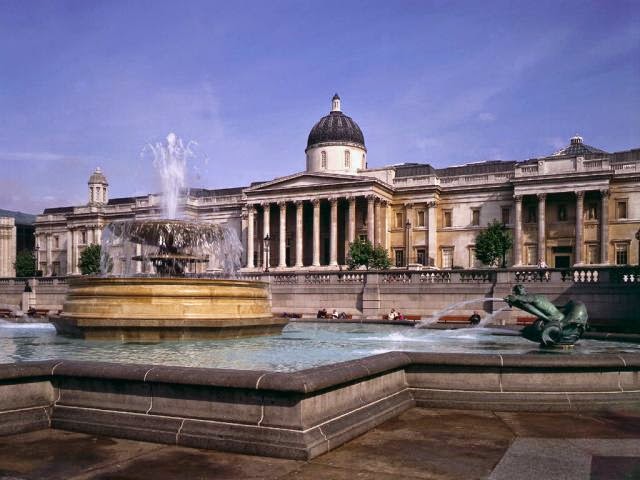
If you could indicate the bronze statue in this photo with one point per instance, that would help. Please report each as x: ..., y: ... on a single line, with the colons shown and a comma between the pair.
x: 555, y: 326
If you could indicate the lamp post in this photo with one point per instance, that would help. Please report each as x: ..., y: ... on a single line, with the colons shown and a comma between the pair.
x: 638, y: 238
x: 267, y: 246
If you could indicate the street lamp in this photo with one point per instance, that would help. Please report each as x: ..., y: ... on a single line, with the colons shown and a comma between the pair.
x: 267, y: 246
x: 638, y: 238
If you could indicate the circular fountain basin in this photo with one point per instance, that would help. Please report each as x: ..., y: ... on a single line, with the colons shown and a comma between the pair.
x: 149, y: 309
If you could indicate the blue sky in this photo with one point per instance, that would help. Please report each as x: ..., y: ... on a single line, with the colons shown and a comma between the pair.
x: 89, y: 83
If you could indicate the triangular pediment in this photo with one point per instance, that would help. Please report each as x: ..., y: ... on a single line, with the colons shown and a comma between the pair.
x: 307, y: 180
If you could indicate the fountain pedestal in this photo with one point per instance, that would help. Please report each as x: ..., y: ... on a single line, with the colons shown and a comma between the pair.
x: 151, y: 309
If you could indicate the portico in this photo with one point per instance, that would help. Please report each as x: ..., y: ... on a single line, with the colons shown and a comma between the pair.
x: 310, y: 219
x: 552, y: 226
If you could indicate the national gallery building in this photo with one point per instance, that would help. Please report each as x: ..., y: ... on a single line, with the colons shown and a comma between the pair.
x: 580, y: 205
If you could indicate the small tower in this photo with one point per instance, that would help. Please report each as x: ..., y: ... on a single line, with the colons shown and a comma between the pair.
x: 98, y: 193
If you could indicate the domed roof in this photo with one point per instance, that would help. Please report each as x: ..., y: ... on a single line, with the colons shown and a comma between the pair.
x: 577, y: 148
x: 335, y: 128
x: 98, y: 177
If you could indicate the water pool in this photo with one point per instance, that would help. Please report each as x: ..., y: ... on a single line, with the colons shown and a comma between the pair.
x: 301, y: 345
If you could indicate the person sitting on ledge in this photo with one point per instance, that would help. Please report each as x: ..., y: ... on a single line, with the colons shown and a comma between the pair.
x: 334, y: 314
x: 393, y: 315
x: 474, y: 319
x: 322, y: 313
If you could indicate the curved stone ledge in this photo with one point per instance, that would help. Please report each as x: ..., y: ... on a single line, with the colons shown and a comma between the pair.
x: 300, y: 414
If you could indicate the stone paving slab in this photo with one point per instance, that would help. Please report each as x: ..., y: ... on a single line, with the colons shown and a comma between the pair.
x: 418, y: 444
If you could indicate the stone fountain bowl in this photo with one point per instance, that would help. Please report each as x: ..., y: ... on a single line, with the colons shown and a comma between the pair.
x: 151, y: 309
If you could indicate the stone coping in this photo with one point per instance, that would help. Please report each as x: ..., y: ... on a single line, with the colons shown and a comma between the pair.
x: 316, y: 379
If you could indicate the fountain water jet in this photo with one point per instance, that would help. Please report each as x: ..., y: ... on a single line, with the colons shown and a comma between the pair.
x: 438, y: 315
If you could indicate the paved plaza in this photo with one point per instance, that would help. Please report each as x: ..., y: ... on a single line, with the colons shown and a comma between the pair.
x: 419, y: 444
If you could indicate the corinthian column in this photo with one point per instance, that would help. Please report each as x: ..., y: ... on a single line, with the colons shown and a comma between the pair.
x: 370, y: 218
x: 316, y: 232
x: 282, y: 258
x: 541, y: 227
x: 433, y: 233
x: 579, y: 228
x: 351, y: 235
x: 408, y: 209
x: 69, y: 253
x: 604, y: 227
x: 299, y: 226
x: 250, y: 239
x: 266, y: 221
x: 333, y: 233
x: 517, y: 246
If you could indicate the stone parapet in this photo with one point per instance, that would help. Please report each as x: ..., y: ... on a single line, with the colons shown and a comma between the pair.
x: 299, y: 414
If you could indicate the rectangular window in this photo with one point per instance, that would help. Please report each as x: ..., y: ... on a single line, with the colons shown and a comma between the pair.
x: 399, y: 257
x: 421, y: 256
x: 532, y: 216
x: 473, y: 261
x: 475, y: 217
x: 446, y: 219
x: 362, y: 236
x: 621, y: 209
x: 506, y: 215
x: 592, y: 211
x: 56, y: 242
x: 592, y: 253
x: 447, y: 257
x: 622, y: 253
x: 399, y: 220
x: 420, y: 218
x: 55, y: 269
x: 562, y: 213
x: 83, y: 237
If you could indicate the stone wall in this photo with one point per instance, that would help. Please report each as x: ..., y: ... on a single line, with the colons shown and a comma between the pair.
x: 612, y: 294
x: 301, y: 414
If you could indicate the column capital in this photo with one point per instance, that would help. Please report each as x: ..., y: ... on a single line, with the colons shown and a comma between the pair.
x: 282, y: 204
x: 408, y: 205
x: 244, y: 215
x: 315, y: 201
x: 372, y: 198
x: 605, y: 192
x: 384, y: 202
x: 333, y: 200
x: 517, y: 198
x: 298, y: 203
x: 251, y: 208
x: 265, y: 204
x: 580, y: 194
x: 541, y: 196
x: 432, y: 204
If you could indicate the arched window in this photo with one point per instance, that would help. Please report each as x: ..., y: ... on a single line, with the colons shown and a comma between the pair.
x: 347, y: 159
x: 324, y: 159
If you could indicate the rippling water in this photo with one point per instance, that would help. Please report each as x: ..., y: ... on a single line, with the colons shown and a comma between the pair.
x: 301, y: 345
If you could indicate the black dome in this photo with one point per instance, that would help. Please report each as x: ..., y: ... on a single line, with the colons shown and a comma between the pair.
x: 335, y: 127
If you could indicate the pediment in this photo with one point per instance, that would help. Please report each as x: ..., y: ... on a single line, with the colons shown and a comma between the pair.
x: 307, y: 180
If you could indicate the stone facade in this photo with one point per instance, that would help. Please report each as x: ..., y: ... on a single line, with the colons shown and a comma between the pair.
x: 578, y: 206
x: 7, y: 247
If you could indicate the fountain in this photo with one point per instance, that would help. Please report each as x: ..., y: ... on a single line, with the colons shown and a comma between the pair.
x: 151, y: 287
x: 554, y: 327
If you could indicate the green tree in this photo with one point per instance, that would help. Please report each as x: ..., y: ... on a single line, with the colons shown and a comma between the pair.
x: 362, y: 253
x: 90, y: 260
x: 380, y: 258
x: 25, y: 264
x: 493, y: 243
